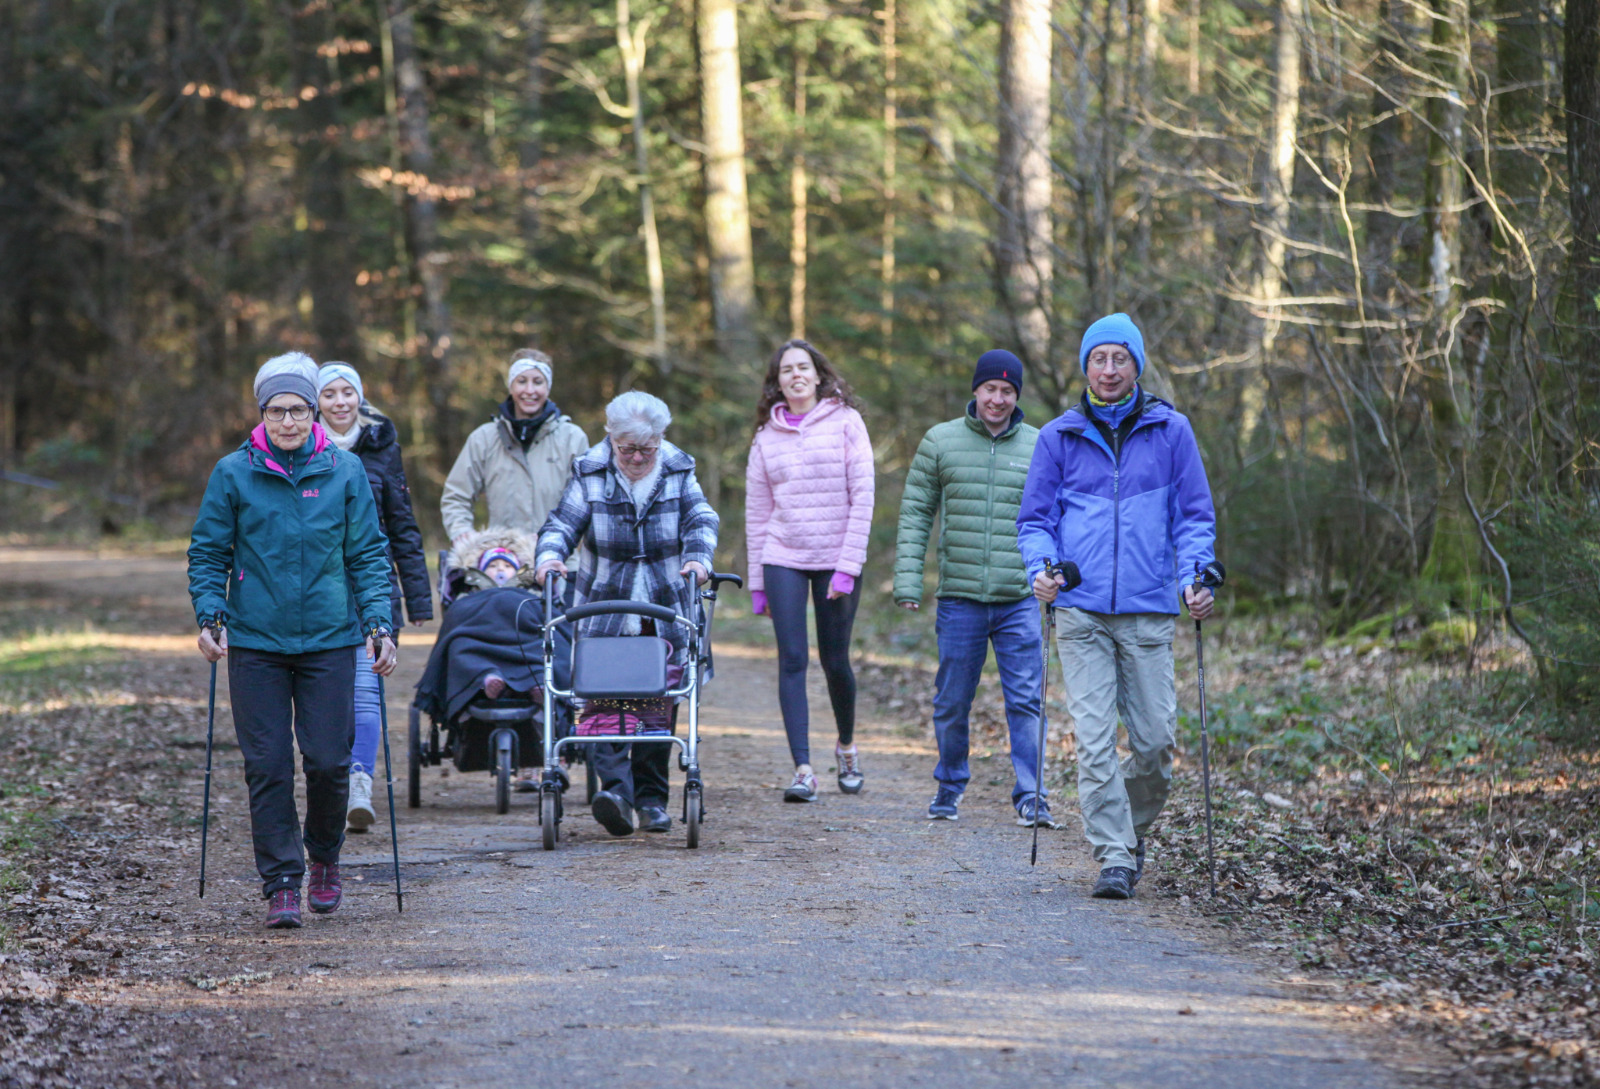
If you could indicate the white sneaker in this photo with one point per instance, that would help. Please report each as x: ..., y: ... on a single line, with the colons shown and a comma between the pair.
x: 360, y: 815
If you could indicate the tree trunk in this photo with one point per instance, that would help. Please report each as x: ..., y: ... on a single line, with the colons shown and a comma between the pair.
x: 1024, y: 261
x: 727, y: 204
x: 632, y: 46
x: 1453, y: 546
x: 330, y: 268
x: 1276, y: 194
x: 1581, y: 84
x: 1385, y: 147
x: 891, y: 107
x: 529, y: 148
x: 799, y: 191
x: 422, y: 224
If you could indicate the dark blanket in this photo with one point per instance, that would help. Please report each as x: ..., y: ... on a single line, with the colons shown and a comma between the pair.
x: 497, y: 631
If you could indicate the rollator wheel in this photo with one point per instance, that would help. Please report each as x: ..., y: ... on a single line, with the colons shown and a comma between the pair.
x: 414, y: 747
x: 591, y: 781
x: 502, y: 781
x: 547, y: 818
x: 691, y: 817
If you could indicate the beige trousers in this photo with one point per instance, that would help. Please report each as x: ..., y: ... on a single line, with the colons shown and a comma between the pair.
x: 1119, y: 664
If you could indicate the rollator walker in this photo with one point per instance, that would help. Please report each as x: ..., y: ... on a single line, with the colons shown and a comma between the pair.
x: 625, y: 682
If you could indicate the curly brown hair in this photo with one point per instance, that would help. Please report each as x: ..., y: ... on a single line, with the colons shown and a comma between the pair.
x: 829, y: 381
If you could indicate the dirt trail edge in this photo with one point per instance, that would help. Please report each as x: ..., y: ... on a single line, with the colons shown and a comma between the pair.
x: 850, y: 942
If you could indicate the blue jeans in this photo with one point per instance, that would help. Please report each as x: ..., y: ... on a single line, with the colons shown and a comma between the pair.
x: 364, y: 757
x: 966, y: 628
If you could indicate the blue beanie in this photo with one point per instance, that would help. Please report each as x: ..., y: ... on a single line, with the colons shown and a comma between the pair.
x: 1113, y: 329
x: 997, y: 364
x: 332, y: 372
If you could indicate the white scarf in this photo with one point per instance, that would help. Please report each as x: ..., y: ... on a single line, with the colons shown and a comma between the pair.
x: 347, y: 441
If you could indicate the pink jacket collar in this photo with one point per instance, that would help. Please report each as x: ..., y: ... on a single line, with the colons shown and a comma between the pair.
x: 825, y: 407
x: 258, y: 441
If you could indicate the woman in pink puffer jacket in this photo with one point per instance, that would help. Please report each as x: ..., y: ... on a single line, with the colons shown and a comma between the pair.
x: 808, y: 509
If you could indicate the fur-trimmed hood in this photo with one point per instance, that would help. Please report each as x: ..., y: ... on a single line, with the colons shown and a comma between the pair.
x: 466, y: 556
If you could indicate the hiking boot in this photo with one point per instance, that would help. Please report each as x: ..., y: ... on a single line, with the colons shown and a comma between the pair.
x: 653, y: 818
x: 1034, y: 810
x: 1138, y: 860
x: 1116, y: 883
x: 943, y: 806
x: 325, y: 891
x: 803, y: 789
x: 360, y: 815
x: 614, y: 815
x: 283, y: 910
x: 850, y: 777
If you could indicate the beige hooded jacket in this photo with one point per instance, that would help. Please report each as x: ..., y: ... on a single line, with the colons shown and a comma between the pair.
x: 521, y: 487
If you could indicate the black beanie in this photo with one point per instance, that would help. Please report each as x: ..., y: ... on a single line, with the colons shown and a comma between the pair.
x: 997, y: 363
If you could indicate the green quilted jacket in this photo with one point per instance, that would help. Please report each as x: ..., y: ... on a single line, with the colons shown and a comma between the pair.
x: 977, y: 479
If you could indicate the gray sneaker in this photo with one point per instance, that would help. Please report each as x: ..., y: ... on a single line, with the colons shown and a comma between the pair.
x: 359, y: 815
x: 943, y: 806
x: 1033, y: 810
x: 850, y: 777
x: 803, y: 789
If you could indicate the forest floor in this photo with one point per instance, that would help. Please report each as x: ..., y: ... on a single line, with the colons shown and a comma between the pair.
x: 848, y: 943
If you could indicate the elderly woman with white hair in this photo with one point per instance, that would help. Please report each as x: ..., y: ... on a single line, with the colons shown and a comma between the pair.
x: 634, y: 500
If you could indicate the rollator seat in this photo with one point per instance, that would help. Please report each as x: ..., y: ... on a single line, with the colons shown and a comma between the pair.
x: 620, y: 667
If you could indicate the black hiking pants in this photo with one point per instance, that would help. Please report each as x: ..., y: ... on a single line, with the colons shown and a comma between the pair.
x: 638, y: 774
x: 279, y: 699
x: 787, y: 590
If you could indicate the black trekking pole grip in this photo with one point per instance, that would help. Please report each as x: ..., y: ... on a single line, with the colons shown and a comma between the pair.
x: 205, y: 810
x: 388, y: 774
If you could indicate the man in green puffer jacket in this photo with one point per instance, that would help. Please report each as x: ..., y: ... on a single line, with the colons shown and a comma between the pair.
x: 972, y: 470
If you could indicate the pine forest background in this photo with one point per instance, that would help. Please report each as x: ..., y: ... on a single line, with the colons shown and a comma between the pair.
x: 1349, y: 228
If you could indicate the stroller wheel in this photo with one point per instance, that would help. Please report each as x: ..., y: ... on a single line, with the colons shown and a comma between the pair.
x: 414, y: 746
x: 692, y: 815
x: 502, y: 781
x: 548, y: 817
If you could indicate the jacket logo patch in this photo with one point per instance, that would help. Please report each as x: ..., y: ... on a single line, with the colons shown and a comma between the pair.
x: 310, y: 493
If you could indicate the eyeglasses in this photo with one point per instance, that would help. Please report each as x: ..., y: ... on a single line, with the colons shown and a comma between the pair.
x: 638, y: 452
x: 276, y: 413
x: 1110, y: 359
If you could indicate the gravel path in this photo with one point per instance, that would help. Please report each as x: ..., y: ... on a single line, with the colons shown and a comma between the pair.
x: 850, y: 942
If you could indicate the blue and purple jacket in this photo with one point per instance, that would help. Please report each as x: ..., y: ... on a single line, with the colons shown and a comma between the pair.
x: 1135, y: 525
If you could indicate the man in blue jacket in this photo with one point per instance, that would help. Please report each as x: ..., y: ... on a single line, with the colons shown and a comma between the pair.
x: 1116, y: 486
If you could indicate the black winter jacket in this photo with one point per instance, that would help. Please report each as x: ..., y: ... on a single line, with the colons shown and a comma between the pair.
x: 379, y: 449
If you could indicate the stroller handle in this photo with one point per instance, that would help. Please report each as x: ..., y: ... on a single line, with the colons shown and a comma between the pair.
x: 637, y: 608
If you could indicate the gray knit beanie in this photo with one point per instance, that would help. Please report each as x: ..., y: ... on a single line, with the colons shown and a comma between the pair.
x: 293, y: 372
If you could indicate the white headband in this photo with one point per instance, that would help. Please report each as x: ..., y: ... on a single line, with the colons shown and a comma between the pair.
x: 521, y: 365
x: 332, y: 372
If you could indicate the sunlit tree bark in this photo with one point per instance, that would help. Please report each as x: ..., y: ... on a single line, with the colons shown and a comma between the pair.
x: 727, y: 204
x: 1023, y: 256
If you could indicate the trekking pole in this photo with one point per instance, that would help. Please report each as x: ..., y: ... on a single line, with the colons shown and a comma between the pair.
x: 205, y: 809
x: 1206, y: 578
x: 388, y: 774
x: 1068, y: 571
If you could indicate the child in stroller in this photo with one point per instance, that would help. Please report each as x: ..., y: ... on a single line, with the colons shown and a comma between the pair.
x: 482, y: 683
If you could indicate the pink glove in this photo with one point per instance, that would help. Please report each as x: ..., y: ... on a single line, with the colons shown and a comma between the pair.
x: 758, y: 602
x: 842, y: 583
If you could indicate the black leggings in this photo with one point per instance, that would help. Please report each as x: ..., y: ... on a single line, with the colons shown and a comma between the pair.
x: 786, y: 600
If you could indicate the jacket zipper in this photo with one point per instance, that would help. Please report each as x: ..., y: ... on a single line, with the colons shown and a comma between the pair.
x: 988, y: 518
x: 1116, y: 526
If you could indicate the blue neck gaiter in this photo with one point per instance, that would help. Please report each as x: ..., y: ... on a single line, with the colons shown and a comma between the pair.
x: 1112, y: 415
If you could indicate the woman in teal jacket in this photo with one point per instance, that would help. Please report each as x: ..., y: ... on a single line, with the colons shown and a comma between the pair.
x: 288, y: 572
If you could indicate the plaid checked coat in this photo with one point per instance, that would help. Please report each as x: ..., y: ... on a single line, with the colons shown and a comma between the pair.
x: 596, y: 509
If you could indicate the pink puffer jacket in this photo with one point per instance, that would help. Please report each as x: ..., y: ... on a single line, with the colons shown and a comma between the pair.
x: 808, y: 492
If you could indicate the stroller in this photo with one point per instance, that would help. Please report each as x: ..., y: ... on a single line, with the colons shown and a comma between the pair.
x: 475, y: 732
x: 624, y: 688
